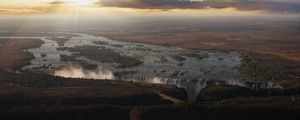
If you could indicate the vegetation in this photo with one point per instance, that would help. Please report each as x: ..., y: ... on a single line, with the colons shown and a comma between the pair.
x: 117, y: 45
x: 2, y: 41
x: 66, y: 58
x: 213, y: 93
x: 197, y: 56
x: 39, y: 96
x: 208, y: 70
x: 103, y: 55
x: 90, y: 112
x: 47, y: 86
x: 30, y: 94
x: 101, y: 42
x: 170, y: 90
x: 179, y: 58
x: 24, y: 62
x: 259, y: 66
x: 197, y: 112
x: 14, y: 55
x: 43, y: 55
x: 60, y: 40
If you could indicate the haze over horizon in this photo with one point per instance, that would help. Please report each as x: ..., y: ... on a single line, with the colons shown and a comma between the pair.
x: 151, y: 7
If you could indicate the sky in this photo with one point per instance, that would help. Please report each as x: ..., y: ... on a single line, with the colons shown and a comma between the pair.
x: 73, y: 14
x: 142, y: 7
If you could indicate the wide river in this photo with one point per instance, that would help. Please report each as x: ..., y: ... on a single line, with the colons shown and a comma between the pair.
x: 192, y: 70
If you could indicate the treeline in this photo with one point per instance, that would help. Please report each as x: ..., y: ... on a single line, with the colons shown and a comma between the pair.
x: 215, y: 93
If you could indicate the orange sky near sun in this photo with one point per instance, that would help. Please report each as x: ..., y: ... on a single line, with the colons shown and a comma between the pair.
x: 85, y: 7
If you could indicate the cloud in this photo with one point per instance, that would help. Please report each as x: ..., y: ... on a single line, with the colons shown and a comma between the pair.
x: 57, y: 2
x: 50, y: 8
x: 247, y: 5
x: 9, y: 10
x: 23, y: 10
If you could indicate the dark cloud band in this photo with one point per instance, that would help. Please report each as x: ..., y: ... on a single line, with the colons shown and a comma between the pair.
x: 268, y: 5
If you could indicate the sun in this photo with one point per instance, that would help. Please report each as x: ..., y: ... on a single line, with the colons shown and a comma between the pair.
x: 84, y: 2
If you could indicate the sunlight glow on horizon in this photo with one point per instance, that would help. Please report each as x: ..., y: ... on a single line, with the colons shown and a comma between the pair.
x: 45, y: 6
x: 93, y: 7
x: 84, y: 2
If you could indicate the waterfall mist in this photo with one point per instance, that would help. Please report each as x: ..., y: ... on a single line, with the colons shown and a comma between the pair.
x: 79, y: 72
